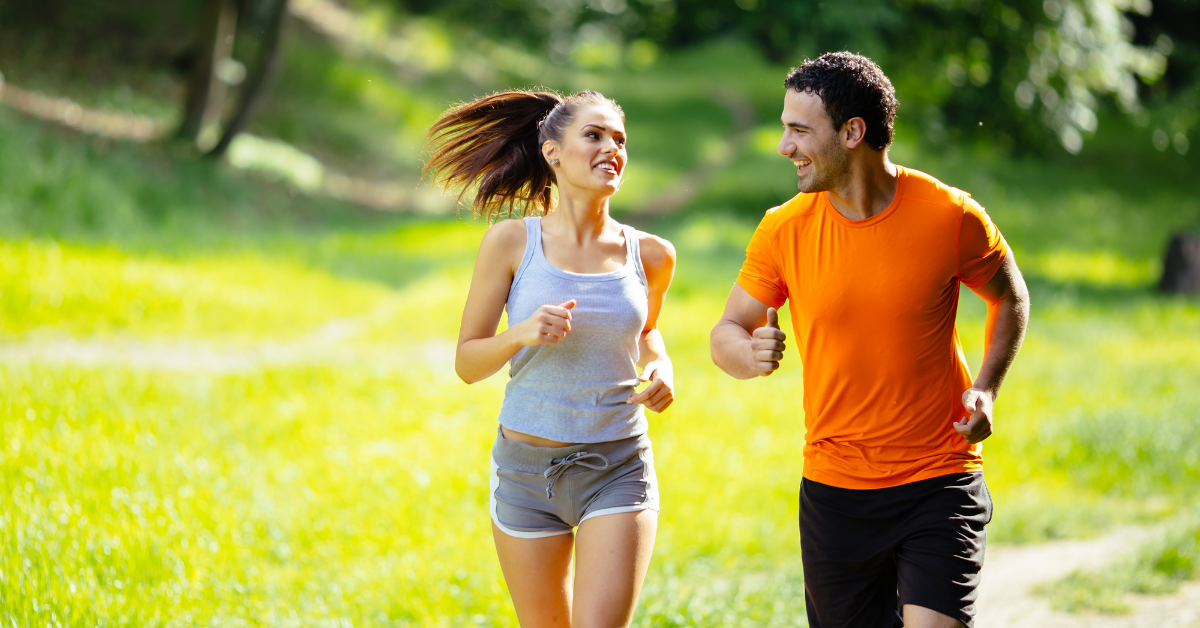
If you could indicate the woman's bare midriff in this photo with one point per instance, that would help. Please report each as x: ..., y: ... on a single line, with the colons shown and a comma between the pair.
x: 527, y: 439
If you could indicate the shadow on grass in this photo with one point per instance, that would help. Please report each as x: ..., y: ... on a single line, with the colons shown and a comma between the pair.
x: 153, y: 200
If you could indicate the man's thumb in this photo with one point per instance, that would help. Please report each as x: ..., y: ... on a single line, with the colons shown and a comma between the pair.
x: 567, y: 304
x: 772, y: 318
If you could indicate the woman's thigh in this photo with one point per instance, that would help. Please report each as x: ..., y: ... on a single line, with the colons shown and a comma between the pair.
x: 612, y: 554
x: 538, y: 574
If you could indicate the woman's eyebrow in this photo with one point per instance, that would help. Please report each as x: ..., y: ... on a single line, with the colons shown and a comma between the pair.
x: 604, y: 128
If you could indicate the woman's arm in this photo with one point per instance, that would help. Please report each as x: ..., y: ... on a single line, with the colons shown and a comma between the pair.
x: 658, y: 260
x: 481, y: 351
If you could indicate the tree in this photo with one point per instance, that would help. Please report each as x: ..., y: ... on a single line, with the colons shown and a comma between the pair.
x: 205, y: 96
x: 216, y: 70
x: 267, y: 60
x: 1020, y: 66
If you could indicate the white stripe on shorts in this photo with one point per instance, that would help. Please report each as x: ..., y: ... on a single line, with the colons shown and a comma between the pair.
x: 537, y: 534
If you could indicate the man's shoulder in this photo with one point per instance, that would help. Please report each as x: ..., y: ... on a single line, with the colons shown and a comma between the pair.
x: 802, y: 204
x: 920, y: 187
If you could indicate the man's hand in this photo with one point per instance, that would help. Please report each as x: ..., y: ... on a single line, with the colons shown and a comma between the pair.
x: 661, y: 392
x: 766, y: 345
x: 979, y: 425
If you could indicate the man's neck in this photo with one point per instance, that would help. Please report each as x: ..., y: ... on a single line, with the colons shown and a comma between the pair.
x: 869, y: 187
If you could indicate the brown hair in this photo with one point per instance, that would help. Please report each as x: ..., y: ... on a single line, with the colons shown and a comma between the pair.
x: 495, y: 142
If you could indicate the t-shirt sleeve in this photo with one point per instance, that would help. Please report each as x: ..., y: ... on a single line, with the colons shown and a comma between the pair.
x: 760, y: 275
x: 981, y: 247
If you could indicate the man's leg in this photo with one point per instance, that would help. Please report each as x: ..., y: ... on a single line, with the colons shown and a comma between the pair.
x: 940, y: 558
x: 847, y: 552
x: 921, y: 617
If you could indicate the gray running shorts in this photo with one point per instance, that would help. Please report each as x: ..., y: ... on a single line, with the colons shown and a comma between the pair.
x: 544, y: 491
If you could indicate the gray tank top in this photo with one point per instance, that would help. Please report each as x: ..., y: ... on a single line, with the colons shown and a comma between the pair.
x: 575, y: 391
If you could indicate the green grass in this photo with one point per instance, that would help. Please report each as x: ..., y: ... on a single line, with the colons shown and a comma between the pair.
x: 54, y: 289
x: 325, y: 487
x: 348, y: 484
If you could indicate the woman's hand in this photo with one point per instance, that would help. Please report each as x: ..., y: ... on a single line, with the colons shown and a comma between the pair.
x: 548, y: 325
x: 659, y: 395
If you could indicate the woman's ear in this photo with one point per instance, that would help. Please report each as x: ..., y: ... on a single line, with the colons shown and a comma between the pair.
x: 550, y: 152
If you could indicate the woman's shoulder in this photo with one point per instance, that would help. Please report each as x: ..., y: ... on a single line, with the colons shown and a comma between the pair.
x: 505, y: 234
x: 658, y: 254
x: 504, y: 241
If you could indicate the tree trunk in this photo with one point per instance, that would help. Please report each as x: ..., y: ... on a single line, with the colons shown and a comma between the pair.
x: 206, y: 93
x: 256, y: 82
x: 1181, y: 268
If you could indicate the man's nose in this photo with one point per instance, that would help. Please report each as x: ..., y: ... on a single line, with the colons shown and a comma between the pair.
x: 786, y: 146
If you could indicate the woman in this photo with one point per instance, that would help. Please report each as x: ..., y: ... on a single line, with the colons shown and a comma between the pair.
x: 583, y: 294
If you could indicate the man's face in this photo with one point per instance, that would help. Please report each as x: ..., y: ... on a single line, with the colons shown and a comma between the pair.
x: 810, y: 141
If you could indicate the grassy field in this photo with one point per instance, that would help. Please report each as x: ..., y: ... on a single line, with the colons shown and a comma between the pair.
x: 307, y: 457
x: 349, y: 484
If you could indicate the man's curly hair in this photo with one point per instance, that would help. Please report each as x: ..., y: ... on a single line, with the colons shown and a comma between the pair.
x: 851, y: 86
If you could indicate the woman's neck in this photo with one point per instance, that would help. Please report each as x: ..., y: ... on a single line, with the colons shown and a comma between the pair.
x: 579, y: 218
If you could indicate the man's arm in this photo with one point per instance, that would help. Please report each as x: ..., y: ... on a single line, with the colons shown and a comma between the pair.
x: 1007, y: 317
x: 747, y: 341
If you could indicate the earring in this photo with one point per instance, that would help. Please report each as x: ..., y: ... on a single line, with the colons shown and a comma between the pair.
x: 553, y: 162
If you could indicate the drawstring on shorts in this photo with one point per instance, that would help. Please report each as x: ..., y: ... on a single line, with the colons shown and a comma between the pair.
x: 560, y: 466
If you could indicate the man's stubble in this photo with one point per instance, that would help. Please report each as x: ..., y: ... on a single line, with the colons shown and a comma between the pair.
x: 832, y: 170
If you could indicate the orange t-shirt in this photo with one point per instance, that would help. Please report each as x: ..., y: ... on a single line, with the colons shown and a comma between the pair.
x: 873, y: 305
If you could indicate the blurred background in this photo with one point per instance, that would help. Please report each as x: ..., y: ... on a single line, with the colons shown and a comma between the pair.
x: 228, y: 303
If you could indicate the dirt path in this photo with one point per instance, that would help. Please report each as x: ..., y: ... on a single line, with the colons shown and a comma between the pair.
x: 1006, y: 599
x: 216, y: 357
x: 332, y: 342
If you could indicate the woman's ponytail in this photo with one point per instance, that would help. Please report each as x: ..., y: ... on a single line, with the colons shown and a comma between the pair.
x: 495, y: 143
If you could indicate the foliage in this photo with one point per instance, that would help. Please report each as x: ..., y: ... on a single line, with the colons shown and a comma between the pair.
x: 969, y: 70
x: 124, y: 31
x: 1010, y: 67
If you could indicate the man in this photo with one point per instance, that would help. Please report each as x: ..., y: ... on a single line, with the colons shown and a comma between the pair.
x: 870, y: 256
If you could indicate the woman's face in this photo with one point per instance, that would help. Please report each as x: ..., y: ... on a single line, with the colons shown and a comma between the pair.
x: 592, y: 152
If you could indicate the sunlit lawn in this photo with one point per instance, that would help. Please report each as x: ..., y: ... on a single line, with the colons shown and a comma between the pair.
x: 347, y: 484
x: 354, y: 488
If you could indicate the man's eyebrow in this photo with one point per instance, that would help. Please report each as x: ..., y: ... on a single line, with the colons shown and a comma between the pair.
x: 797, y: 125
